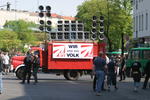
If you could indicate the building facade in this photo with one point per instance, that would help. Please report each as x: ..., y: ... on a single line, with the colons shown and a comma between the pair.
x: 6, y: 15
x: 141, y: 20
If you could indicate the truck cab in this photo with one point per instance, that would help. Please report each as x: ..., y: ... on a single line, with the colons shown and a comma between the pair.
x: 141, y: 55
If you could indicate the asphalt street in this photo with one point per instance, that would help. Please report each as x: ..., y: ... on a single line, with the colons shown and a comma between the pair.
x: 52, y: 87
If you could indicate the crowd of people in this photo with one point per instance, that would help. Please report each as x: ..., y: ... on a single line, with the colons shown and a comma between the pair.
x: 105, y: 70
x: 31, y: 62
x: 106, y: 73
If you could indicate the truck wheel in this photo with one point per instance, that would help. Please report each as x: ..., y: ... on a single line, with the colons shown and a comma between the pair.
x: 19, y: 73
x: 72, y: 75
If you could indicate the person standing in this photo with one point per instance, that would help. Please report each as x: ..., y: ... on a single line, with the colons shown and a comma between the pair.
x: 36, y: 65
x: 136, y: 74
x: 99, y: 67
x: 122, y: 69
x: 6, y: 63
x: 112, y: 74
x: 27, y: 69
x: 147, y: 72
x: 1, y: 69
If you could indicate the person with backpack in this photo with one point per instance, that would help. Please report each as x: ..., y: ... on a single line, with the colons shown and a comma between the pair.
x: 112, y: 74
x: 136, y: 74
x: 27, y: 69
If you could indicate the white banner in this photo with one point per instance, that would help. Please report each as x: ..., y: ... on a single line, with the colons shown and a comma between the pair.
x: 73, y: 50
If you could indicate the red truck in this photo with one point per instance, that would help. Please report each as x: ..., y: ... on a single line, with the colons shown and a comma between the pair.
x: 72, y: 59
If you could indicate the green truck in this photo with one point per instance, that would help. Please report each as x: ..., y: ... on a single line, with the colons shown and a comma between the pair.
x: 141, y: 55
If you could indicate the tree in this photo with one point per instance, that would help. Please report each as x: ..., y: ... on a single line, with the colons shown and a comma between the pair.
x: 8, y: 40
x: 23, y: 29
x: 117, y: 15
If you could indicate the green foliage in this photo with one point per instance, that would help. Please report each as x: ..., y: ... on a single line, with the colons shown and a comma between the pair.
x: 8, y: 40
x: 117, y: 14
x: 23, y: 29
x: 16, y: 34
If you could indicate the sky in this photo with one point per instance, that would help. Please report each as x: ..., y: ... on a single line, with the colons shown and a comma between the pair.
x: 62, y: 7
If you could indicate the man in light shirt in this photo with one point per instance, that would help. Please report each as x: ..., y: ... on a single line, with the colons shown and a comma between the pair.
x: 6, y: 63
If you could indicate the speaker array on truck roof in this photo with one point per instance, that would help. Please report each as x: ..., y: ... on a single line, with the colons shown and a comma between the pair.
x: 69, y: 30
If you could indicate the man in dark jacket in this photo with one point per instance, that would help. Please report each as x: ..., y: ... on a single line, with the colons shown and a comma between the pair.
x: 147, y: 72
x: 112, y: 74
x: 27, y: 69
x: 1, y: 68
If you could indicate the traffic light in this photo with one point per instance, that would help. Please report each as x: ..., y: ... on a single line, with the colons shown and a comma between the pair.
x: 101, y: 24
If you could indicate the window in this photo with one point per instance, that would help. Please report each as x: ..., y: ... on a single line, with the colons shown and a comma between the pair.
x: 134, y: 25
x: 136, y: 4
x: 142, y: 23
x: 146, y: 54
x: 135, y: 55
x: 137, y: 23
x: 146, y: 21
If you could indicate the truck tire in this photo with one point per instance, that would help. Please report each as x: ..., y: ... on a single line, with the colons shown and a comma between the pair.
x: 19, y: 73
x: 72, y: 75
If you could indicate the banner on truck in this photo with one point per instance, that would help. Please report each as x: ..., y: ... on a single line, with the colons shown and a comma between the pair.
x: 73, y: 50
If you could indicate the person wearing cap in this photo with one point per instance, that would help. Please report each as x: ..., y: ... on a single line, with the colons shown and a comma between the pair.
x: 99, y: 67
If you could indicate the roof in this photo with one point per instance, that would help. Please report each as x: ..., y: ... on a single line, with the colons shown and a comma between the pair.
x: 116, y: 52
x: 54, y: 15
x: 141, y: 48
